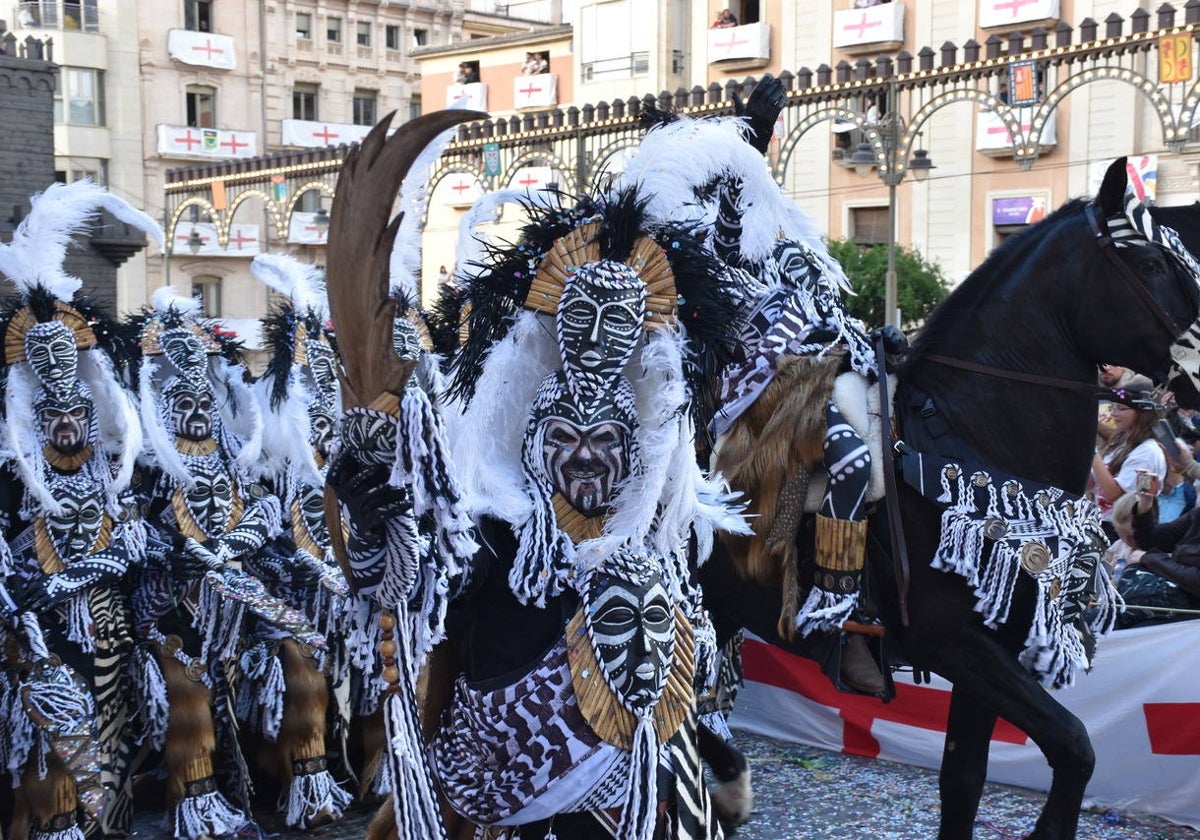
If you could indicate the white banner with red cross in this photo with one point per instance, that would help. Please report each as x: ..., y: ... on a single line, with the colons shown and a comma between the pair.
x: 1141, y: 705
x: 202, y: 49
x: 320, y: 134
x: 1012, y: 12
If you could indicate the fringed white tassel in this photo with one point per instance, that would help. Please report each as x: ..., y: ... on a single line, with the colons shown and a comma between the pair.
x: 640, y: 810
x: 313, y: 794
x: 79, y: 622
x: 208, y: 814
x: 220, y: 620
x: 414, y: 799
x: 269, y: 697
x: 716, y: 723
x: 825, y: 612
x: 61, y: 704
x: 152, y: 696
x: 74, y: 832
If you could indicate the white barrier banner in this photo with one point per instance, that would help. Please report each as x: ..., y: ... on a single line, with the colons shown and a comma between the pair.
x: 1141, y: 705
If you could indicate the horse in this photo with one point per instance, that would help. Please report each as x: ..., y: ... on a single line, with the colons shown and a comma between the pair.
x: 1002, y: 377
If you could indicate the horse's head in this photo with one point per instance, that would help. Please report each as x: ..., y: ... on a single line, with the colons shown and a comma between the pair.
x: 1143, y: 310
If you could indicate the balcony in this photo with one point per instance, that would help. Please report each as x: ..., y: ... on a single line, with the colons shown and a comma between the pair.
x: 472, y: 96
x: 186, y: 142
x: 873, y: 29
x: 535, y: 92
x: 992, y: 137
x: 116, y: 241
x: 243, y: 240
x: 79, y: 16
x: 201, y: 49
x: 317, y: 135
x: 1006, y: 15
x: 618, y: 67
x: 749, y: 42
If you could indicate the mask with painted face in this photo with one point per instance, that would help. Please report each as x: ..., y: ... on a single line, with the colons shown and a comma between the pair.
x: 76, y: 529
x: 52, y: 354
x: 189, y: 409
x: 66, y: 419
x: 210, y: 500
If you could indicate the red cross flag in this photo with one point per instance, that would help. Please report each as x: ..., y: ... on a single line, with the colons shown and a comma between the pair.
x: 201, y: 49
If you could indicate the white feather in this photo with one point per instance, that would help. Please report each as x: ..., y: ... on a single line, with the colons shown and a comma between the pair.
x: 56, y: 216
x: 302, y: 283
x: 405, y: 263
x: 165, y: 298
x: 158, y: 442
x: 120, y: 429
x: 469, y: 250
x: 23, y: 440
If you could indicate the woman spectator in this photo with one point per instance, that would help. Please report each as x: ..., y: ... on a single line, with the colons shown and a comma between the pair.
x: 725, y: 19
x: 1131, y: 449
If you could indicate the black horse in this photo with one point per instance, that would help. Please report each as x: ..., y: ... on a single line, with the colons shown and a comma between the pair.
x: 1031, y: 324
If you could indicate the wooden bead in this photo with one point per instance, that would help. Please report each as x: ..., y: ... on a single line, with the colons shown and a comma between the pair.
x: 391, y: 676
x: 387, y: 648
x: 387, y: 621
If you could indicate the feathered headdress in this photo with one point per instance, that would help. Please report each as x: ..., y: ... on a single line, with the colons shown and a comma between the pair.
x: 33, y: 261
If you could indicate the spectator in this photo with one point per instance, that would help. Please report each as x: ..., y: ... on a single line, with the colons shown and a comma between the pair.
x: 1124, y: 551
x: 1002, y: 94
x: 543, y: 63
x: 443, y: 275
x: 725, y: 20
x: 530, y: 67
x: 466, y: 75
x: 1130, y: 450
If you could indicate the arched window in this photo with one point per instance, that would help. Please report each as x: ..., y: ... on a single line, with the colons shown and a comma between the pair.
x: 208, y: 289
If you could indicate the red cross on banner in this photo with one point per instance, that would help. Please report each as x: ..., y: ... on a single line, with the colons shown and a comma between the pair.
x: 209, y: 49
x: 320, y: 233
x: 1174, y: 728
x: 733, y: 41
x: 529, y: 90
x: 325, y: 134
x: 862, y: 26
x: 1013, y: 5
x: 233, y: 144
x: 241, y: 239
x: 924, y: 708
x: 188, y: 140
x: 460, y: 186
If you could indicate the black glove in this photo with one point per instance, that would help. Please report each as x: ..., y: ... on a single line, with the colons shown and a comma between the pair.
x: 762, y: 110
x: 894, y: 341
x: 363, y: 488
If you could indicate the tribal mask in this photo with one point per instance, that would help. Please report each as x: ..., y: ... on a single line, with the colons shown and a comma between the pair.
x: 66, y: 418
x: 583, y: 455
x: 631, y: 623
x: 189, y: 408
x: 322, y: 404
x: 598, y: 323
x: 183, y: 349
x: 52, y: 354
x: 405, y: 339
x: 312, y: 511
x: 210, y: 500
x: 76, y: 529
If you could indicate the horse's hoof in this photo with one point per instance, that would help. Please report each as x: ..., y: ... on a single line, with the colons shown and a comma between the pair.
x: 734, y: 800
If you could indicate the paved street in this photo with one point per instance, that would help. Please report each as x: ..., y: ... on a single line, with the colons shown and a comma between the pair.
x: 803, y: 793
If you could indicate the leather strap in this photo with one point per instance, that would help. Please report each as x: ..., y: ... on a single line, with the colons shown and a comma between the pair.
x: 1016, y: 376
x: 891, y: 489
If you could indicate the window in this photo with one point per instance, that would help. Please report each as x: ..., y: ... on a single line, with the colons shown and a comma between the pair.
x: 362, y: 33
x: 364, y: 107
x: 96, y: 169
x: 197, y: 15
x: 304, y: 26
x: 869, y: 226
x: 414, y: 106
x: 333, y: 30
x: 304, y: 102
x: 79, y: 96
x: 750, y: 11
x: 208, y: 290
x: 420, y: 37
x: 391, y: 37
x: 201, y: 106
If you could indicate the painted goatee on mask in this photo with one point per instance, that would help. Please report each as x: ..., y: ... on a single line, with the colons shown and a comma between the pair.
x: 631, y: 623
x: 583, y: 455
x: 598, y: 323
x: 190, y: 410
x: 210, y: 501
x: 76, y: 529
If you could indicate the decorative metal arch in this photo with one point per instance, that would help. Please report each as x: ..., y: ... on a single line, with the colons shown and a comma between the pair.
x: 443, y: 171
x: 556, y: 161
x: 273, y: 212
x: 195, y: 201
x: 599, y: 165
x: 951, y: 97
x: 1173, y: 136
x: 294, y: 201
x: 788, y: 146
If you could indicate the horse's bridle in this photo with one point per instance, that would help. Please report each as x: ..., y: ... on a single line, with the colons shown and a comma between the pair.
x: 1105, y: 241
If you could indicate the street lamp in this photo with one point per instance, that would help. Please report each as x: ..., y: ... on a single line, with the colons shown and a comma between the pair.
x: 194, y: 242
x: 321, y: 221
x: 889, y: 156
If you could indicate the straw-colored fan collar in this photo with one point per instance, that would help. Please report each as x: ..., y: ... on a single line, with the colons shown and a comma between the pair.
x: 579, y: 247
x: 600, y: 706
x: 152, y: 338
x: 24, y: 320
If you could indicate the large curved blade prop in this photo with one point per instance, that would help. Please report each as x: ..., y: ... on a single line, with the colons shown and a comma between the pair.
x: 358, y: 253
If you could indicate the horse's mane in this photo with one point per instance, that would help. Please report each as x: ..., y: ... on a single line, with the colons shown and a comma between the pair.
x: 980, y: 282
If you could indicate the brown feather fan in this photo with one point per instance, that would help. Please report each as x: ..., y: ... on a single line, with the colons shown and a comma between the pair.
x: 358, y: 253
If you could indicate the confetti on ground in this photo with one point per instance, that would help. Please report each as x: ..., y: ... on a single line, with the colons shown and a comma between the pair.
x: 802, y: 793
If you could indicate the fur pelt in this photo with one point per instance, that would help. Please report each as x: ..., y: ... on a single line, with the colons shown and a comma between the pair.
x: 191, y: 736
x: 785, y: 428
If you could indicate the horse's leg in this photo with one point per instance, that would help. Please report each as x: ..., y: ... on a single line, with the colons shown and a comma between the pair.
x: 733, y: 797
x: 964, y: 764
x: 984, y: 670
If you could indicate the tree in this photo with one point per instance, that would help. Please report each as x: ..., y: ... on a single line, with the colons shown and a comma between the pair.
x: 920, y: 284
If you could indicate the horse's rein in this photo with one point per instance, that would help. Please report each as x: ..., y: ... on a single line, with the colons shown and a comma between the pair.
x: 1013, y: 375
x: 1109, y: 249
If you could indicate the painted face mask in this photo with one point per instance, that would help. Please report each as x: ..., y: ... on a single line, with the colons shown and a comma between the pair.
x: 66, y: 420
x: 405, y: 339
x: 583, y: 455
x: 210, y: 501
x: 189, y: 409
x: 311, y: 508
x: 631, y: 623
x: 52, y: 354
x: 183, y: 349
x: 76, y: 529
x: 598, y: 322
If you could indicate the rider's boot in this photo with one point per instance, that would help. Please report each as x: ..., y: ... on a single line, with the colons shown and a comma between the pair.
x: 840, y: 553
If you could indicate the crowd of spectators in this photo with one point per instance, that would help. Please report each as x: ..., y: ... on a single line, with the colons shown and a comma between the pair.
x: 1145, y: 479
